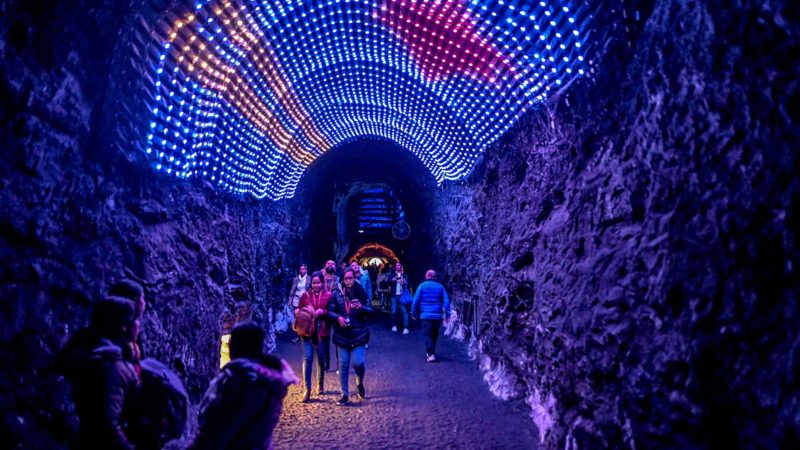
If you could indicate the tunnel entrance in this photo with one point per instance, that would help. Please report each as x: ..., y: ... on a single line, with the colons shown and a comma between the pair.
x: 373, y: 254
x: 366, y: 199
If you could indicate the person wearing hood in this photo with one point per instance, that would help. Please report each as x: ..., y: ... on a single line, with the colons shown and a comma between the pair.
x: 103, y: 379
x: 243, y: 403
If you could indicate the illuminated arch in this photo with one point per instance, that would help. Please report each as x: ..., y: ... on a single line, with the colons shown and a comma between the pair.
x: 247, y: 94
x: 373, y: 249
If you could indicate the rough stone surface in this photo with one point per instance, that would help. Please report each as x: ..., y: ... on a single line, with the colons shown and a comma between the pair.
x: 410, y: 404
x: 75, y: 216
x: 632, y: 247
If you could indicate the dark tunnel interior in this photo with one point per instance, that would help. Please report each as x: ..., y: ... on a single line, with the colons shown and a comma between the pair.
x: 608, y: 191
x: 332, y: 188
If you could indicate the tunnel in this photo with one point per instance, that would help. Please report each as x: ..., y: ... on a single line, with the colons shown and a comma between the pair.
x: 360, y: 192
x: 608, y: 192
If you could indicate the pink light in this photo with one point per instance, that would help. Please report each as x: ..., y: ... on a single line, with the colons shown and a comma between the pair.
x: 443, y: 39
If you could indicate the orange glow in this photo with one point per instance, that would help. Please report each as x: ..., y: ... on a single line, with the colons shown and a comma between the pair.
x: 371, y: 249
x: 201, y: 62
x: 226, y: 80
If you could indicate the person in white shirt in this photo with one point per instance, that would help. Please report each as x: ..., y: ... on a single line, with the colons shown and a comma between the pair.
x: 300, y: 284
x: 398, y: 283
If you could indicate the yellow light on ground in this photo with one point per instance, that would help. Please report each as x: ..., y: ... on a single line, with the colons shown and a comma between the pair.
x: 224, y: 352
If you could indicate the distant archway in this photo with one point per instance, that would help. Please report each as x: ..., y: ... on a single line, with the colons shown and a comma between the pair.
x: 368, y: 253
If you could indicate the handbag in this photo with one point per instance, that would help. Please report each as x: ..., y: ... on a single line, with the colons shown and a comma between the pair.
x: 304, y: 321
x: 405, y: 297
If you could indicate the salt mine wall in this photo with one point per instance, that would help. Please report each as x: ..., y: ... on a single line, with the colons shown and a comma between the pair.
x: 632, y: 247
x: 77, y: 214
x: 623, y: 259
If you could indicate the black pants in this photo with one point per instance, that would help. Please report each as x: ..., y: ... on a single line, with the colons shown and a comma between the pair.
x: 430, y: 330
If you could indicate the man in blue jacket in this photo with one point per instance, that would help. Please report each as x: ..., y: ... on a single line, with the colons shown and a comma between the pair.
x: 431, y: 304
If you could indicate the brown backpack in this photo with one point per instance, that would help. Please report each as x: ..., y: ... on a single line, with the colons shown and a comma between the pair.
x: 304, y: 321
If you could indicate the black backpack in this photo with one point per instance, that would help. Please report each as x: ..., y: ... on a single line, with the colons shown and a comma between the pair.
x: 158, y: 409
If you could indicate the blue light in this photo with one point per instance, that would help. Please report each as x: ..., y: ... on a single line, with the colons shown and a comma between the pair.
x: 250, y: 94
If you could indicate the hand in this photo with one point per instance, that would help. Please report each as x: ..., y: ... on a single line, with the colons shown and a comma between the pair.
x: 318, y: 312
x: 355, y: 304
x: 342, y: 322
x: 296, y: 311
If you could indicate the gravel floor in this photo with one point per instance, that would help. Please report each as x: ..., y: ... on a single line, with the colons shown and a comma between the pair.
x: 410, y: 404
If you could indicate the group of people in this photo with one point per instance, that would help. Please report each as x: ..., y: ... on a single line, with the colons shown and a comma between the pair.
x: 338, y: 304
x: 113, y: 384
x: 339, y: 307
x: 120, y: 406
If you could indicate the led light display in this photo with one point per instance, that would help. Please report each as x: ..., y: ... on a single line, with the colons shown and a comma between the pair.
x: 248, y: 94
x: 373, y: 249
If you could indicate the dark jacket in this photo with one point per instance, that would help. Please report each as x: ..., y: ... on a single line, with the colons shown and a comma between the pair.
x: 103, y: 382
x: 390, y: 278
x: 332, y: 285
x: 357, y: 333
x: 243, y: 404
x: 293, y: 290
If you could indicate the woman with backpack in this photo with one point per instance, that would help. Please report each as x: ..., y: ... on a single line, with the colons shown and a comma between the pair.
x: 349, y: 308
x: 319, y: 337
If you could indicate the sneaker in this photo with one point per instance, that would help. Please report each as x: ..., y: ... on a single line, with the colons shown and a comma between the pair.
x: 405, y: 331
x: 343, y: 401
x: 306, y: 396
x: 362, y: 393
x: 431, y: 358
x: 394, y: 328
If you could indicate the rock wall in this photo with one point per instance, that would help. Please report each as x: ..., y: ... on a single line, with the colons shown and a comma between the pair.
x: 76, y: 214
x: 632, y: 246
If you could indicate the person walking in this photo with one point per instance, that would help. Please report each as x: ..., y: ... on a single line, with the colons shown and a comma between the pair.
x: 382, y: 286
x: 349, y: 308
x: 319, y: 300
x: 340, y: 270
x: 398, y: 283
x: 243, y: 403
x: 431, y: 304
x: 300, y: 284
x: 362, y: 277
x: 330, y: 283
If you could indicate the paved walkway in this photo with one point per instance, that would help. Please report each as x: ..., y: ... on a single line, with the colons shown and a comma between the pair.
x: 410, y: 404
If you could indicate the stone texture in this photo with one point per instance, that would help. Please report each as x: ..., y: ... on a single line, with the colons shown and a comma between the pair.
x: 410, y: 403
x: 76, y: 214
x: 632, y: 246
